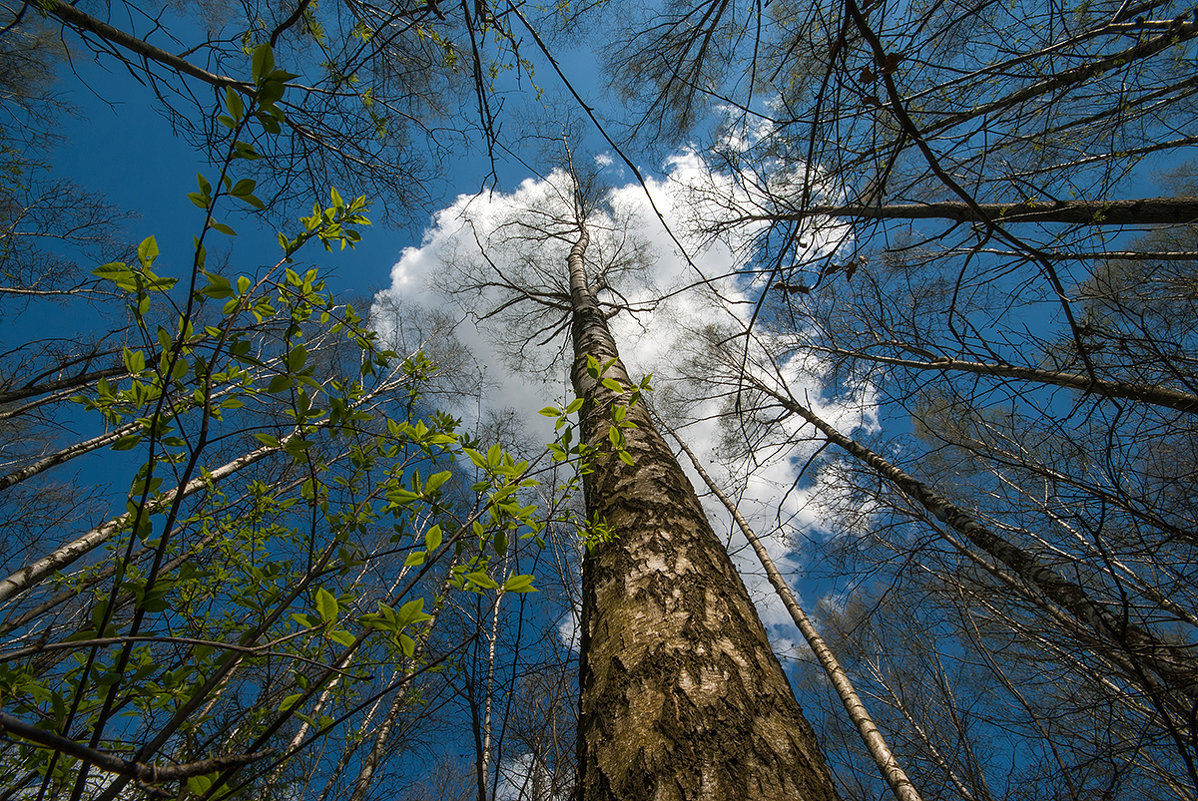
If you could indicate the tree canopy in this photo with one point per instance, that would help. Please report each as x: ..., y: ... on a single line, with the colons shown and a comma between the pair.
x: 936, y: 374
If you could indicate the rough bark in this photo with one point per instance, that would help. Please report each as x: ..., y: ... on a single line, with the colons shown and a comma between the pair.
x: 871, y: 736
x: 681, y: 694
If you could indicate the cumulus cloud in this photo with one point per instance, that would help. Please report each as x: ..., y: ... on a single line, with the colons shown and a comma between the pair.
x: 687, y: 280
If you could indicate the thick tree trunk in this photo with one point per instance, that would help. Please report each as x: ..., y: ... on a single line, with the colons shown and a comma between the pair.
x: 682, y: 696
x: 871, y: 736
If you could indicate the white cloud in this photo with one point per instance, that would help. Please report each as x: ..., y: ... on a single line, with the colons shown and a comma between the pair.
x: 567, y: 629
x: 526, y: 779
x: 675, y: 295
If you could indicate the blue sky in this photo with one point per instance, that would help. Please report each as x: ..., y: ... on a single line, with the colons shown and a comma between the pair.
x: 118, y: 142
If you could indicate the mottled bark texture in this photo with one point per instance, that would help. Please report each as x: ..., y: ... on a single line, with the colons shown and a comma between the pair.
x: 682, y: 696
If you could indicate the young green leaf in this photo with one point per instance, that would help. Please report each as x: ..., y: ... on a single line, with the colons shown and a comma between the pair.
x: 326, y: 605
x: 520, y: 583
x: 262, y: 63
x: 147, y: 251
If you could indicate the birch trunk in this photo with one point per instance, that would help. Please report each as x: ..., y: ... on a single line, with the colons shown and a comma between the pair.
x: 681, y: 694
x: 900, y: 784
x: 1110, y: 626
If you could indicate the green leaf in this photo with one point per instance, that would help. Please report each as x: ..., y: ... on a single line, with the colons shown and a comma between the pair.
x: 481, y: 579
x: 551, y: 411
x: 262, y: 63
x: 233, y: 103
x: 626, y: 458
x: 432, y: 540
x: 306, y: 621
x: 411, y: 612
x: 224, y: 229
x: 112, y: 270
x: 269, y: 93
x: 59, y: 706
x: 252, y: 201
x: 435, y: 481
x: 135, y: 360
x: 200, y: 785
x: 342, y: 637
x: 521, y: 583
x: 218, y: 286
x: 286, y: 704
x: 296, y: 447
x: 127, y: 442
x: 415, y: 559
x: 408, y: 645
x: 297, y: 358
x: 244, y: 150
x: 613, y: 385
x: 147, y: 251
x: 267, y: 439
x: 243, y: 187
x: 574, y: 406
x: 326, y: 605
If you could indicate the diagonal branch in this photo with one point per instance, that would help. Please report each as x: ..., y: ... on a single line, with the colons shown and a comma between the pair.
x: 152, y: 773
x: 1139, y: 211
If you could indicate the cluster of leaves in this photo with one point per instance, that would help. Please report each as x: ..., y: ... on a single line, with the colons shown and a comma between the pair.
x: 626, y: 399
x: 296, y: 516
x: 582, y: 453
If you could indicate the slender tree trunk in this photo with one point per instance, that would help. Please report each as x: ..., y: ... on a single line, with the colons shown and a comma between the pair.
x: 1111, y: 627
x: 489, y: 703
x: 682, y: 696
x: 382, y: 732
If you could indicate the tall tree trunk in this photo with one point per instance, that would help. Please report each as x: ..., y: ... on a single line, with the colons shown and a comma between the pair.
x: 900, y: 784
x: 682, y: 696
